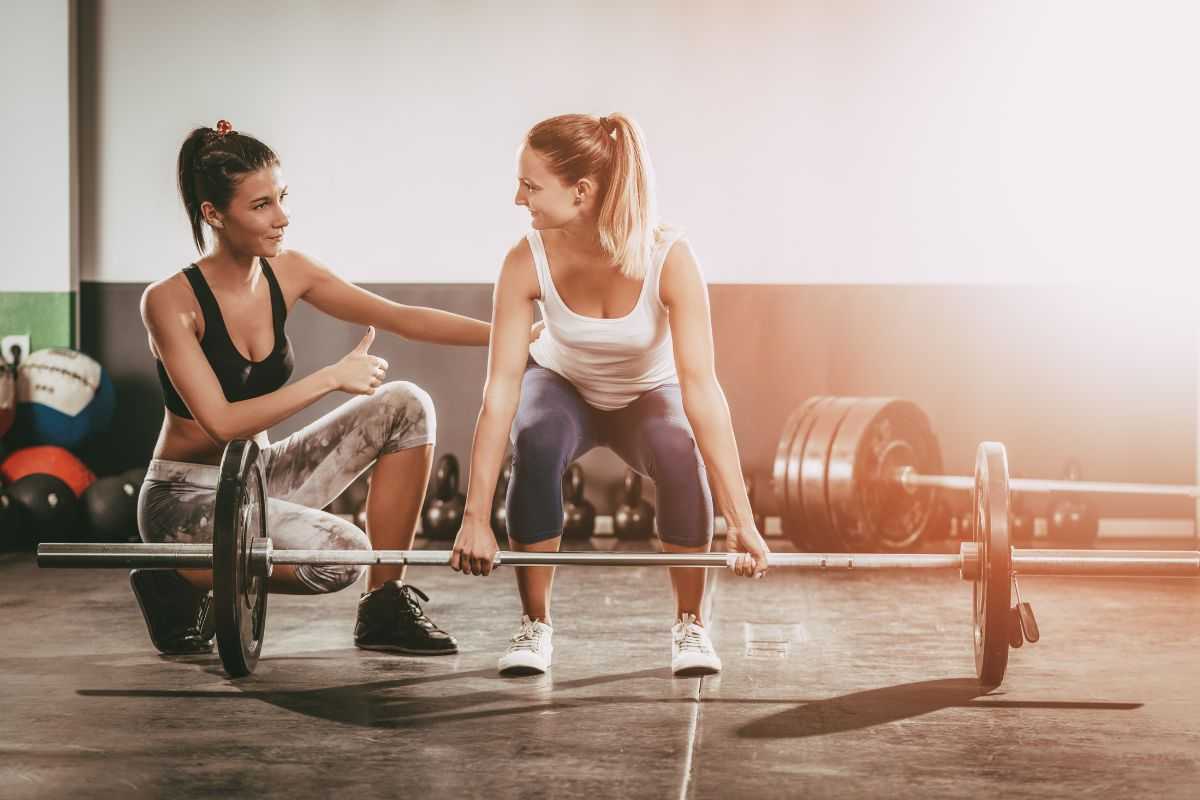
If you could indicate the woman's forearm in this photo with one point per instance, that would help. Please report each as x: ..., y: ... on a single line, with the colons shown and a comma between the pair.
x: 708, y: 412
x: 440, y: 327
x: 246, y: 418
x: 487, y: 451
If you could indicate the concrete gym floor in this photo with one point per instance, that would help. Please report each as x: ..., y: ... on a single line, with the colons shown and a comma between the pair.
x: 835, y: 685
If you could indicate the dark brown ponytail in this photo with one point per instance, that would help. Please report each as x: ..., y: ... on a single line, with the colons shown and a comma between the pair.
x: 210, y: 167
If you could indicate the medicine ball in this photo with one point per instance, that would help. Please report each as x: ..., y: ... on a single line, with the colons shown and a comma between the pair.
x: 49, y: 508
x: 135, y: 476
x: 48, y: 460
x: 13, y: 526
x: 110, y: 508
x: 63, y: 398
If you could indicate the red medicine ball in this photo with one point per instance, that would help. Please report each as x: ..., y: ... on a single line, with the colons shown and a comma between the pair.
x: 48, y: 460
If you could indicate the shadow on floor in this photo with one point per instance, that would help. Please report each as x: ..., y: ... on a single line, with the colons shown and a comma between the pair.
x: 892, y: 703
x: 389, y: 703
x: 404, y: 702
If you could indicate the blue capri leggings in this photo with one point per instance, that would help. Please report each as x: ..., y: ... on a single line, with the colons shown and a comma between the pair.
x: 554, y: 426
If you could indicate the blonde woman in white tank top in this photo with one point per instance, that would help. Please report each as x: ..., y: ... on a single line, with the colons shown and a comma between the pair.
x: 625, y: 360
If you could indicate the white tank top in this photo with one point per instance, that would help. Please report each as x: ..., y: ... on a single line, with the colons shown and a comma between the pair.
x: 611, y: 362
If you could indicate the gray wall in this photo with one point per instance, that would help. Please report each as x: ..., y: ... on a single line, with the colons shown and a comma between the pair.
x: 1105, y: 375
x: 37, y: 148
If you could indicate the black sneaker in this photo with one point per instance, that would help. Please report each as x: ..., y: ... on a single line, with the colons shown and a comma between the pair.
x: 390, y: 618
x: 178, y: 616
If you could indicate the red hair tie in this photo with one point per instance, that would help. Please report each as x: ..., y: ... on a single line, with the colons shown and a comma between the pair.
x: 224, y: 126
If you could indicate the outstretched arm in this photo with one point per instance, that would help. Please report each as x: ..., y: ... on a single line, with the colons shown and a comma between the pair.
x: 339, y: 298
x: 686, y: 298
x: 512, y: 313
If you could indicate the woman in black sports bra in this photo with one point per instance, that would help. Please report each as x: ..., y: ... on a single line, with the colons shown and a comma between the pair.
x: 224, y: 359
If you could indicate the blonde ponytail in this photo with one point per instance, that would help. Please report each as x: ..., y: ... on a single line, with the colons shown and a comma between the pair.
x: 612, y: 151
x: 629, y: 214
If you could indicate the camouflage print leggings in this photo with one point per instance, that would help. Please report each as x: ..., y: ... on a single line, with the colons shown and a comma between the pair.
x: 302, y: 473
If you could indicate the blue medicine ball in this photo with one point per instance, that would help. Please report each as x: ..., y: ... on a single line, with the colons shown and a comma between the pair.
x: 63, y: 398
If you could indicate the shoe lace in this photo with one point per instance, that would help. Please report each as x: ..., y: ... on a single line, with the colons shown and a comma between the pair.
x: 527, y: 638
x: 414, y: 608
x: 206, y: 618
x: 690, y: 636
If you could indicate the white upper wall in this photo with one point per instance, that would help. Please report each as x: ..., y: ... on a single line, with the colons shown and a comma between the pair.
x: 921, y: 141
x: 35, y: 147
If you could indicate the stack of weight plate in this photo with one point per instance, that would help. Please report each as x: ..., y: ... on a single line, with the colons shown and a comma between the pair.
x: 835, y: 474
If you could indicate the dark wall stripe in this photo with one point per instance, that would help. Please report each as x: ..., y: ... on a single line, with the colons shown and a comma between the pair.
x: 1107, y: 376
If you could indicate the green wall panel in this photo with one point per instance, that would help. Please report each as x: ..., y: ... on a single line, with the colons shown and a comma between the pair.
x: 48, y: 317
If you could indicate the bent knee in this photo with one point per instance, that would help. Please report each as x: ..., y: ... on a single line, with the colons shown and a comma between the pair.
x: 410, y: 412
x: 329, y: 578
x: 671, y: 442
x: 545, y: 439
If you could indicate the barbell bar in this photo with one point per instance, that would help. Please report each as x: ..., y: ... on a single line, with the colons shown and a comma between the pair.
x: 910, y: 479
x: 264, y: 557
x: 241, y: 558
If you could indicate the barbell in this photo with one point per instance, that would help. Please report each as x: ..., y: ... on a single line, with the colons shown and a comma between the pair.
x: 242, y: 557
x: 862, y: 473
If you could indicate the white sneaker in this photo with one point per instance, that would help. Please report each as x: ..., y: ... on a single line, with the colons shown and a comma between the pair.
x: 529, y: 650
x: 692, y: 652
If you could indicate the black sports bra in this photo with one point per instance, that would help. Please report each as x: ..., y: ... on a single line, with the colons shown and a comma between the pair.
x: 240, y: 377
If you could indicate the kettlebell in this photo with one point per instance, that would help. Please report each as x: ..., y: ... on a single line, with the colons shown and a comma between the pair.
x: 635, y: 517
x: 579, y: 515
x: 442, y: 518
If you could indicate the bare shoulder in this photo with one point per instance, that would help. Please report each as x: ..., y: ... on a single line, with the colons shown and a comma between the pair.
x: 294, y: 261
x: 169, y: 309
x: 519, y: 253
x: 296, y: 272
x: 680, y: 277
x: 170, y: 295
x: 678, y: 251
x: 680, y: 259
x: 299, y: 274
x: 518, y: 274
x: 667, y: 234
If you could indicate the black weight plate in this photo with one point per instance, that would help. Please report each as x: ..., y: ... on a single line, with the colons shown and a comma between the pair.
x: 239, y: 597
x: 779, y: 468
x: 842, y: 489
x: 795, y: 521
x: 870, y: 509
x: 992, y: 589
x: 814, y: 466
